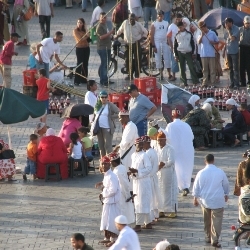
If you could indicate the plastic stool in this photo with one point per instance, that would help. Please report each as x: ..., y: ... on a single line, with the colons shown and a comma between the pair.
x: 56, y: 176
x: 81, y: 165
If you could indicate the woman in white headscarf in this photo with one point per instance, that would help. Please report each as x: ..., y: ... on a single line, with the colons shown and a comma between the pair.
x: 186, y: 23
x: 193, y: 102
x: 51, y: 149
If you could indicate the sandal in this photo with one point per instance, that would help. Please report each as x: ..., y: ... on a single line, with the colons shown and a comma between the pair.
x: 216, y: 245
x: 147, y: 227
x: 110, y: 244
x: 172, y: 78
x: 104, y: 241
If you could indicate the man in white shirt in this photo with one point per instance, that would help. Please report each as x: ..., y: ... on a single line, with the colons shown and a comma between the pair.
x: 129, y: 135
x: 110, y: 198
x: 158, y: 37
x: 211, y: 187
x: 44, y: 10
x: 140, y: 171
x: 47, y: 48
x: 133, y: 32
x: 96, y: 13
x: 128, y: 239
x: 180, y: 137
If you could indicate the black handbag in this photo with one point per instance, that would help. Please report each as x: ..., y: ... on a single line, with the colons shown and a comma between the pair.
x: 8, y: 154
x: 95, y: 125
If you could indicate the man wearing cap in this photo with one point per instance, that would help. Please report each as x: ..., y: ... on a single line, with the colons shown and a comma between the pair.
x: 110, y: 198
x: 140, y: 109
x: 133, y: 32
x: 184, y: 48
x: 156, y: 201
x: 46, y: 49
x: 140, y: 171
x: 180, y: 137
x: 6, y: 59
x: 158, y: 35
x: 128, y: 239
x: 216, y: 120
x: 152, y: 133
x: 245, y: 51
x: 129, y: 135
x: 237, y: 126
x: 167, y: 178
x: 207, y: 40
x: 126, y: 201
x: 232, y: 37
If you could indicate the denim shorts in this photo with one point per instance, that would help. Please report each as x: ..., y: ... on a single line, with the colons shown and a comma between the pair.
x: 46, y: 103
x: 30, y: 167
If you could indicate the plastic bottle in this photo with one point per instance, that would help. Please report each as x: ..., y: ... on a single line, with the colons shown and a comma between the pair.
x: 216, y: 94
x: 220, y: 104
x: 224, y: 107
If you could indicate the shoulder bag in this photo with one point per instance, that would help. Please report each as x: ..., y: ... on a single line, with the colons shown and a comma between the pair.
x: 95, y: 126
x: 29, y: 13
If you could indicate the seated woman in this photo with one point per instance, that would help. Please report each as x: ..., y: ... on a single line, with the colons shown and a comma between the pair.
x: 193, y: 102
x: 40, y: 131
x: 51, y: 150
x: 32, y: 59
x: 7, y: 166
x: 216, y: 120
x: 200, y: 124
x: 237, y: 126
x: 86, y: 143
x: 242, y: 185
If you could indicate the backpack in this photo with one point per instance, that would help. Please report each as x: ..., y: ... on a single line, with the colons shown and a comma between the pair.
x: 245, y: 203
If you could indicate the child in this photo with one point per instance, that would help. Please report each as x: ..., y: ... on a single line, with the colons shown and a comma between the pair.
x: 75, y: 148
x: 31, y: 157
x: 32, y: 59
x: 43, y: 91
x: 86, y: 143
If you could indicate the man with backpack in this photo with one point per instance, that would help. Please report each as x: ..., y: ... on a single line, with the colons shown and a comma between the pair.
x: 211, y: 187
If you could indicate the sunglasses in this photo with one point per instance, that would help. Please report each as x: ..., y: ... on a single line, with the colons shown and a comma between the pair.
x: 102, y: 97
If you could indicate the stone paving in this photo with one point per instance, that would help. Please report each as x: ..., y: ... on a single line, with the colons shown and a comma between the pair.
x: 39, y: 215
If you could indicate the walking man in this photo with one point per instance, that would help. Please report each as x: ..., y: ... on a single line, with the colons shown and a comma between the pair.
x: 207, y: 40
x: 110, y: 198
x: 149, y: 11
x: 120, y: 14
x: 140, y: 109
x: 129, y: 135
x: 184, y: 48
x: 46, y: 49
x: 128, y: 239
x: 104, y: 47
x: 133, y: 31
x: 158, y: 37
x: 6, y: 59
x: 140, y: 171
x: 167, y: 178
x: 232, y: 37
x: 245, y: 51
x: 44, y: 10
x: 211, y: 187
x: 180, y: 137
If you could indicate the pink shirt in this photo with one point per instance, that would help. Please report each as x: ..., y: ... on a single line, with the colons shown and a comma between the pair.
x: 7, y: 53
x: 19, y: 2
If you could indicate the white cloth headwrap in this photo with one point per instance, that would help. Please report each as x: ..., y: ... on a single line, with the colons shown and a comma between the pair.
x: 186, y: 20
x: 209, y: 100
x: 193, y: 99
x: 50, y: 131
x: 207, y: 107
x: 162, y: 245
x: 231, y: 102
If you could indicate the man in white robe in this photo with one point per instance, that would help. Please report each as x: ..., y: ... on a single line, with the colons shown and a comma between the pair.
x: 130, y: 134
x: 140, y: 171
x: 180, y: 137
x: 110, y: 198
x: 126, y: 201
x: 152, y: 133
x: 128, y: 239
x: 156, y: 198
x: 167, y: 178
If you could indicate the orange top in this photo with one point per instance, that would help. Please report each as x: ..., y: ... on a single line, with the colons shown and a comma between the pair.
x: 78, y: 35
x: 31, y: 151
x: 43, y: 91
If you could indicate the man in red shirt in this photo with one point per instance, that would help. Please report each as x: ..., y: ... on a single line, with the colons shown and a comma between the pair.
x: 6, y: 59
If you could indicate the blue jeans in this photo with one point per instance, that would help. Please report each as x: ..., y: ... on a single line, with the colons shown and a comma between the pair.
x: 233, y: 64
x: 142, y: 127
x: 167, y: 16
x: 103, y: 69
x: 175, y: 66
x: 43, y: 66
x: 149, y: 14
x: 30, y: 167
x: 85, y: 2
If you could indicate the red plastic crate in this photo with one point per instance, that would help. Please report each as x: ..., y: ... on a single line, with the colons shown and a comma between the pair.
x: 120, y: 100
x: 145, y: 84
x: 151, y: 96
x: 158, y: 97
x: 29, y: 77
